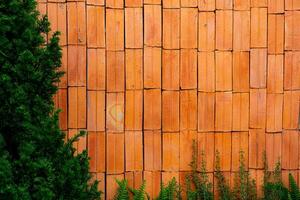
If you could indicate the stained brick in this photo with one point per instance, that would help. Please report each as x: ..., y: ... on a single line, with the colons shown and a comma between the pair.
x: 96, y: 69
x: 76, y: 23
x: 115, y: 71
x: 224, y: 29
x: 152, y: 109
x: 152, y: 67
x: 240, y: 111
x: 153, y: 180
x: 114, y: 29
x: 276, y: 6
x: 239, y: 145
x: 258, y: 68
x: 291, y: 109
x: 206, y: 144
x: 57, y: 15
x: 273, y: 149
x: 188, y: 31
x: 290, y: 150
x: 206, y: 5
x: 170, y: 69
x: 133, y: 27
x: 241, y: 4
x: 170, y: 111
x: 258, y: 108
x: 206, y: 111
x: 152, y: 25
x: 77, y: 107
x: 95, y: 26
x: 275, y: 34
x: 96, y: 111
x: 115, y: 153
x: 134, y: 150
x: 259, y: 27
x: 240, y: 72
x: 223, y: 71
x: 223, y: 146
x: 96, y: 151
x: 223, y: 111
x: 185, y: 149
x: 134, y: 68
x: 171, y: 28
x: 152, y: 150
x: 115, y: 112
x: 292, y: 31
x: 274, y: 112
x: 241, y: 32
x: 206, y: 70
x: 134, y: 110
x: 275, y: 74
x: 188, y: 69
x: 224, y: 4
x: 292, y: 70
x: 207, y: 23
x: 188, y: 110
x: 170, y: 151
x: 61, y: 102
x: 76, y: 66
x: 257, y: 146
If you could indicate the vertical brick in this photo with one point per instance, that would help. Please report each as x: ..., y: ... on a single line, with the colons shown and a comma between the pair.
x: 135, y: 180
x: 276, y: 6
x: 96, y: 69
x: 292, y: 32
x: 115, y: 112
x: 115, y: 153
x: 152, y: 150
x: 258, y: 68
x: 240, y: 72
x: 258, y: 176
x: 95, y: 2
x: 275, y: 74
x: 111, y: 185
x: 114, y: 29
x: 223, y: 111
x: 240, y: 111
x: 134, y: 150
x: 206, y: 5
x: 100, y: 177
x: 171, y: 3
x: 63, y: 83
x: 170, y: 110
x: 152, y: 25
x: 224, y: 29
x: 273, y: 149
x: 188, y: 31
x: 206, y: 144
x: 291, y: 109
x: 223, y: 146
x: 206, y: 70
x: 259, y: 27
x: 188, y: 110
x: 292, y: 70
x: 170, y: 151
x: 134, y: 110
x: 153, y: 180
x: 189, y: 3
x: 257, y: 146
x: 207, y: 27
x: 224, y: 4
x: 76, y: 66
x: 96, y: 151
x: 57, y: 15
x: 95, y: 26
x: 96, y: 111
x: 274, y: 112
x: 61, y: 102
x: 275, y: 34
x: 77, y: 107
x: 114, y: 3
x: 115, y: 71
x: 259, y: 3
x: 285, y: 176
x: 152, y: 2
x: 186, y: 139
x: 241, y: 32
x: 171, y: 28
x: 134, y: 68
x: 188, y: 69
x: 239, y: 145
x: 152, y: 67
x: 42, y: 8
x: 133, y: 3
x: 152, y: 109
x: 290, y: 150
x: 170, y: 69
x: 76, y: 23
x: 258, y: 107
x: 223, y: 71
x: 292, y: 5
x: 206, y: 111
x: 133, y: 27
x: 241, y: 4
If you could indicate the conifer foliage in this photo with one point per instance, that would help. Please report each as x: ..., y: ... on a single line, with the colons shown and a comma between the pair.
x: 35, y: 162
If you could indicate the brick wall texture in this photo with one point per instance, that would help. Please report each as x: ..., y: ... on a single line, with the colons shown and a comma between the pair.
x: 147, y: 77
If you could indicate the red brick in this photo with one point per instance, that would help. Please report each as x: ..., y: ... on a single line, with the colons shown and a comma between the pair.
x: 96, y: 111
x: 95, y: 26
x: 76, y: 23
x: 133, y: 3
x: 134, y: 110
x: 96, y: 69
x: 133, y: 27
x: 188, y: 31
x: 115, y: 153
x: 259, y: 27
x: 170, y: 110
x: 292, y: 31
x: 275, y: 74
x: 114, y: 29
x: 171, y: 3
x: 207, y: 28
x: 239, y: 144
x: 224, y: 29
x: 258, y: 68
x: 291, y: 109
x: 290, y: 150
x: 275, y: 34
x: 152, y: 109
x: 188, y: 110
x: 206, y: 5
x: 134, y: 68
x: 240, y: 111
x: 76, y: 66
x: 57, y: 15
x: 206, y: 70
x: 257, y: 146
x: 189, y: 3
x: 170, y: 69
x: 186, y: 139
x: 241, y: 4
x: 274, y: 112
x: 206, y: 144
x: 276, y: 6
x: 223, y: 111
x: 258, y: 108
x: 152, y: 150
x: 114, y: 3
x: 77, y: 107
x: 152, y: 25
x: 223, y: 71
x: 153, y: 180
x: 115, y: 112
x: 61, y: 102
x: 292, y: 70
x: 223, y: 146
x: 206, y: 111
x: 241, y: 32
x: 240, y: 72
x: 111, y: 185
x: 259, y: 3
x: 170, y: 151
x: 171, y: 28
x: 96, y: 151
x: 273, y: 149
x: 292, y: 5
x: 224, y: 4
x: 134, y: 150
x: 115, y: 71
x: 188, y: 69
x: 152, y: 67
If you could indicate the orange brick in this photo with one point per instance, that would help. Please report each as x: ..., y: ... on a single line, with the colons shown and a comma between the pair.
x: 170, y: 69
x: 290, y: 150
x: 63, y: 83
x: 100, y: 177
x: 134, y: 68
x: 206, y: 111
x: 292, y: 5
x: 152, y: 67
x: 189, y: 3
x: 57, y: 15
x: 258, y: 176
x: 206, y: 144
x: 259, y: 27
x: 96, y: 151
x: 153, y: 180
x: 285, y: 176
x: 291, y: 109
x: 61, y: 102
x: 275, y: 34
x: 134, y: 110
x: 259, y: 3
x: 188, y: 31
x: 275, y: 74
x: 111, y: 185
x: 171, y: 3
x: 152, y: 109
x: 115, y: 111
x: 241, y: 32
x: 292, y: 32
x: 171, y: 28
x: 240, y: 111
x: 135, y: 180
x: 185, y: 149
x: 207, y: 27
x: 276, y: 6
x: 224, y: 4
x: 115, y: 71
x: 115, y: 153
x: 223, y: 146
x: 134, y: 150
x: 223, y: 111
x: 170, y: 110
x: 206, y: 5
x: 114, y: 3
x: 95, y: 2
x: 133, y: 3
x: 79, y: 145
x: 152, y: 150
x: 239, y: 144
x: 240, y: 70
x: 273, y: 149
x: 223, y: 71
x: 258, y: 107
x: 152, y: 25
x: 96, y: 69
x: 224, y: 29
x: 227, y: 176
x: 188, y: 110
x: 258, y: 68
x: 76, y: 66
x: 95, y: 26
x: 170, y: 151
x: 168, y: 176
x: 77, y: 107
x: 96, y: 111
x: 188, y: 69
x: 257, y: 146
x: 42, y: 8
x: 114, y: 29
x: 76, y: 23
x: 133, y: 27
x: 206, y: 70
x: 292, y: 70
x: 241, y: 4
x: 274, y: 112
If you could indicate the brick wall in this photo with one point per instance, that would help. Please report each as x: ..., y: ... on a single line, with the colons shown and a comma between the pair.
x: 145, y: 78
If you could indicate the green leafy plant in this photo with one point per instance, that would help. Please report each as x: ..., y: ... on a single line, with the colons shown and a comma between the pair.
x: 139, y: 194
x: 122, y: 191
x: 170, y: 192
x: 294, y: 192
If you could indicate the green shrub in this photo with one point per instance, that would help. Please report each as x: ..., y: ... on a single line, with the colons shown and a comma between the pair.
x: 122, y: 191
x: 170, y: 192
x: 294, y: 192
